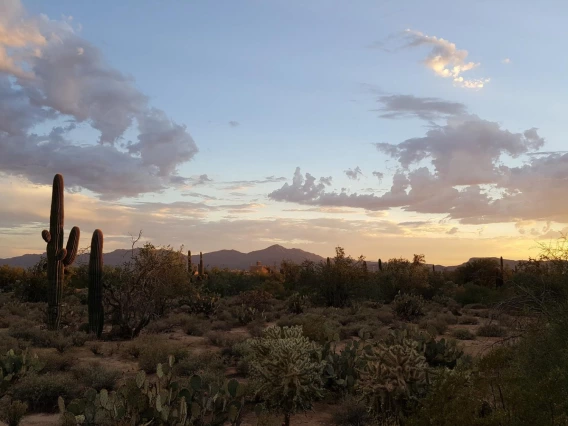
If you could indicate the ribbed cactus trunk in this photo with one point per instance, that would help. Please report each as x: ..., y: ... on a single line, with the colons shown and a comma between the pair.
x: 380, y: 265
x: 58, y: 258
x: 95, y: 299
x: 189, y: 264
x: 200, y: 267
x: 433, y: 268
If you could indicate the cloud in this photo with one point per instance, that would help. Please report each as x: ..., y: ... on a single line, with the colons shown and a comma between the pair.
x: 404, y: 106
x: 234, y: 123
x: 445, y: 59
x: 453, y: 231
x: 379, y: 175
x: 354, y: 174
x: 198, y: 195
x: 457, y: 170
x: 49, y: 76
x: 506, y: 61
x: 202, y: 180
x: 242, y: 184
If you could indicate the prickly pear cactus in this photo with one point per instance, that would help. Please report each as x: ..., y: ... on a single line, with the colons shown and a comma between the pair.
x: 14, y: 366
x: 163, y: 401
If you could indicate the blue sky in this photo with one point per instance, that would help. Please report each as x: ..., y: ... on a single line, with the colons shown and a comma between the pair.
x: 302, y: 82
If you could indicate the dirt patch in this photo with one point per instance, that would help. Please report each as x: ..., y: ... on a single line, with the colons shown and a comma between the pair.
x: 322, y: 414
x: 39, y: 420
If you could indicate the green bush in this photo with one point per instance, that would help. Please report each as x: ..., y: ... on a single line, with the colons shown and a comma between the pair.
x: 468, y: 320
x: 11, y: 412
x: 463, y: 334
x: 408, y: 307
x: 352, y: 413
x: 491, y: 330
x: 41, y: 392
x: 224, y: 339
x: 96, y: 376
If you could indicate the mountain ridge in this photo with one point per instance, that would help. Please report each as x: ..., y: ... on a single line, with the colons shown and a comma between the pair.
x: 225, y: 258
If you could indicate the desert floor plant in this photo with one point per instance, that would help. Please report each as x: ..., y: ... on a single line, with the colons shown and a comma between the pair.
x: 286, y: 369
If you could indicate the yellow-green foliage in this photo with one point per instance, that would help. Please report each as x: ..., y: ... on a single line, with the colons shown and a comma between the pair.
x: 391, y: 377
x: 286, y: 369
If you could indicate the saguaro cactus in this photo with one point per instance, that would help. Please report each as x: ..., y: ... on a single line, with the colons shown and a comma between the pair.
x: 58, y: 257
x: 200, y: 270
x: 189, y: 264
x: 96, y: 313
x: 380, y: 265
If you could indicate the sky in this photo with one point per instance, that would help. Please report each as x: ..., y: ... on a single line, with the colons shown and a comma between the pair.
x: 385, y: 127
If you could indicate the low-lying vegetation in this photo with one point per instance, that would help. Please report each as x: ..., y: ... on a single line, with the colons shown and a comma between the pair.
x: 404, y: 345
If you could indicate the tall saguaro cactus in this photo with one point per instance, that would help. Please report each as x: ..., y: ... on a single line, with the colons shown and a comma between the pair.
x: 96, y: 313
x: 58, y: 257
x: 189, y: 263
x: 200, y: 270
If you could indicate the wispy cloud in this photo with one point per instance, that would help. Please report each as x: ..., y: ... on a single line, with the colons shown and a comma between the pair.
x: 354, y: 174
x: 445, y: 59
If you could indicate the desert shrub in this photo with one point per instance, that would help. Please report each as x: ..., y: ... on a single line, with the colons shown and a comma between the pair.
x: 448, y: 318
x: 144, y: 288
x: 220, y: 326
x: 468, y: 320
x: 12, y: 411
x: 258, y: 299
x: 408, y: 307
x: 352, y: 413
x: 151, y: 354
x: 285, y: 371
x: 297, y: 303
x: 350, y: 330
x: 8, y: 342
x: 224, y: 339
x: 55, y: 362
x: 438, y: 325
x: 476, y: 294
x: 196, y: 327
x: 385, y: 316
x: 169, y: 323
x: 40, y: 392
x: 256, y: 328
x: 96, y: 376
x: 463, y: 334
x: 491, y: 330
x: 41, y: 338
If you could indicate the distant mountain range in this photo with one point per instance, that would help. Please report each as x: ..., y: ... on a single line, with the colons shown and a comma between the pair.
x: 231, y: 259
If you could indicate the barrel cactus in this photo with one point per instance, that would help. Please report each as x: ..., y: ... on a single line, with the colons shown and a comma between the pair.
x: 58, y: 257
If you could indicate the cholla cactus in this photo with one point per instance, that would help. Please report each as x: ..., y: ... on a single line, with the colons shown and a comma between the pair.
x: 286, y: 369
x: 391, y: 377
